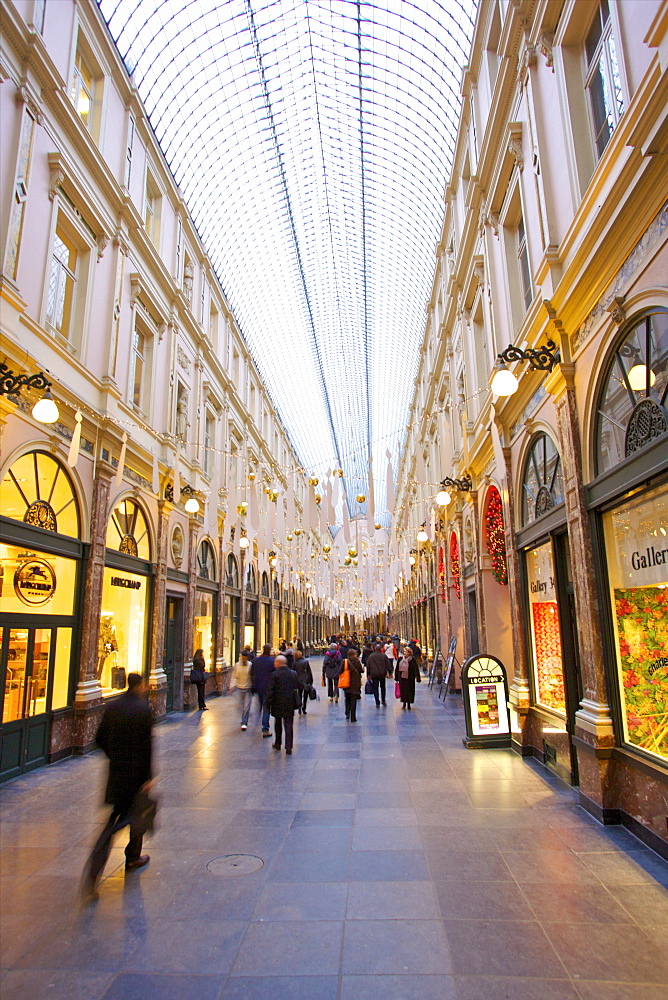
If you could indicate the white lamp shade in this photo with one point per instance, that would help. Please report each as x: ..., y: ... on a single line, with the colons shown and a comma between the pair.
x: 504, y: 383
x: 638, y: 378
x: 411, y: 560
x: 244, y: 542
x: 422, y: 535
x: 442, y: 498
x: 192, y: 505
x: 45, y: 409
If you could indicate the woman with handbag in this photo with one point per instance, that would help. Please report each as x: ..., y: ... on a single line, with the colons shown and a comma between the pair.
x: 198, y: 678
x: 406, y: 674
x: 354, y: 690
x: 304, y: 678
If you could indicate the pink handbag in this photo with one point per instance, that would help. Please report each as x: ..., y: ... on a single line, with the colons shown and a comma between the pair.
x: 397, y: 689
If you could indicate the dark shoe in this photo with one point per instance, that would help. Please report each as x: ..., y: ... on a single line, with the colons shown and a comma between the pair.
x: 88, y: 892
x: 276, y: 746
x: 265, y: 733
x: 130, y: 866
x: 204, y: 708
x: 408, y: 707
x: 288, y: 751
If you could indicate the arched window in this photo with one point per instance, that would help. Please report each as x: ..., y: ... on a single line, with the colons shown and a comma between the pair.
x: 37, y: 490
x: 251, y: 579
x: 632, y: 408
x: 277, y: 591
x: 206, y: 563
x: 495, y: 535
x: 542, y: 484
x: 265, y: 585
x: 232, y: 572
x: 127, y: 531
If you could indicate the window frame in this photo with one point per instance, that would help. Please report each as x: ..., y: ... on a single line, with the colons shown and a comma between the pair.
x: 604, y: 52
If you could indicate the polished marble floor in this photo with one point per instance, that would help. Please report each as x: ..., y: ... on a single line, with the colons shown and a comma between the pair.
x: 396, y: 865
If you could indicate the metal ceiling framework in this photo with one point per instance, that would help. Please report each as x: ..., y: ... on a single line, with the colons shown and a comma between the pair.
x: 312, y: 140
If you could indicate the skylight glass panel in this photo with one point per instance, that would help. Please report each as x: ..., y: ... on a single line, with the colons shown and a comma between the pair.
x: 312, y: 140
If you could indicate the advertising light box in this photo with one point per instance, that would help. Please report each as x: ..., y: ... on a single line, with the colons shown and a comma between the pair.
x: 485, y: 693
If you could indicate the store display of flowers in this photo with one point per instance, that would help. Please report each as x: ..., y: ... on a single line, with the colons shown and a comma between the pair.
x: 642, y: 630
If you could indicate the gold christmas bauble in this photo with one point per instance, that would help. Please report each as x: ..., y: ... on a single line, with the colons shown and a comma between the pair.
x: 352, y: 551
x: 242, y: 508
x: 251, y: 477
x: 347, y: 561
x: 377, y: 526
x: 327, y: 548
x: 289, y: 537
x: 313, y: 481
x: 361, y: 497
x: 298, y: 531
x: 318, y: 498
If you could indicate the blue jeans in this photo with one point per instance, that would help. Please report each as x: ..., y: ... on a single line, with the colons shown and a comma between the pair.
x: 265, y: 713
x: 245, y: 699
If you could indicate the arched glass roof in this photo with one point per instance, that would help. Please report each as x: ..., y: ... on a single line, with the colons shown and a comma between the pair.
x: 312, y: 140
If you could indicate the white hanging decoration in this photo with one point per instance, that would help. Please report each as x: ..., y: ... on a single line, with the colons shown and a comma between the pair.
x: 121, y: 459
x: 176, y: 478
x: 389, y: 483
x: 346, y: 521
x: 155, y: 485
x: 253, y: 508
x: 73, y: 454
x: 370, y: 504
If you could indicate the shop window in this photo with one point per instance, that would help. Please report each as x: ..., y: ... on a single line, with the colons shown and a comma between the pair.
x: 495, y: 536
x: 542, y: 484
x: 632, y: 409
x: 602, y: 79
x: 206, y: 563
x: 203, y: 632
x: 636, y: 542
x: 232, y: 578
x: 37, y: 490
x: 545, y: 629
x: 35, y: 582
x: 127, y: 531
x: 123, y: 623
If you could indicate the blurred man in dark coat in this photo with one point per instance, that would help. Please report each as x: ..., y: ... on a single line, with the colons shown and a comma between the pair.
x: 261, y: 670
x: 281, y: 701
x: 377, y: 665
x: 125, y: 736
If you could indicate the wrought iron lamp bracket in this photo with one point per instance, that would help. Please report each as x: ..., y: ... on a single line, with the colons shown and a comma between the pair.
x: 11, y: 383
x: 540, y: 359
x: 463, y: 485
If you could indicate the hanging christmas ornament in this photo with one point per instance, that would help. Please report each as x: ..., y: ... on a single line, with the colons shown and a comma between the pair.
x: 313, y: 481
x: 242, y: 508
x: 73, y: 453
x: 361, y: 497
x: 251, y: 477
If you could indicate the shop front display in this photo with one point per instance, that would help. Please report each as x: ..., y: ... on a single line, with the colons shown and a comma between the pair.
x: 206, y: 599
x: 39, y: 577
x: 636, y: 544
x: 545, y: 629
x: 126, y: 596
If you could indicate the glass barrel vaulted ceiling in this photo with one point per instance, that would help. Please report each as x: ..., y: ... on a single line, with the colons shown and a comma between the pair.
x: 312, y: 140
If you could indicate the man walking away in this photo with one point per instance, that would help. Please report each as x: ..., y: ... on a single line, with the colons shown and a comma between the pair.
x: 281, y: 702
x: 392, y: 653
x: 124, y: 734
x: 331, y: 669
x: 262, y: 668
x: 377, y: 667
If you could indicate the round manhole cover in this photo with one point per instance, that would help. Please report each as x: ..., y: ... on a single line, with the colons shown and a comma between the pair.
x: 235, y: 864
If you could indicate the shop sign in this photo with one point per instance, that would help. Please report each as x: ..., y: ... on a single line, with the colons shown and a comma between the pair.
x: 485, y: 692
x: 122, y: 581
x: 35, y: 582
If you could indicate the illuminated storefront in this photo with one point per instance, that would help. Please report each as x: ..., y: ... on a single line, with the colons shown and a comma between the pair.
x: 126, y: 597
x: 40, y: 556
x: 232, y: 604
x: 206, y: 597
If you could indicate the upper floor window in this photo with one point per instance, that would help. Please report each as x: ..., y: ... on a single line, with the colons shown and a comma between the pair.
x: 523, y: 264
x: 209, y: 440
x: 83, y: 86
x: 632, y: 409
x: 62, y: 284
x: 602, y: 79
x: 128, y: 151
x: 37, y: 490
x: 152, y: 203
x: 232, y: 576
x: 127, y: 530
x: 206, y: 562
x: 141, y: 367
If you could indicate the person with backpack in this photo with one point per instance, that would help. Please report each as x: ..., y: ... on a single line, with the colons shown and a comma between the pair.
x: 304, y: 678
x: 331, y: 668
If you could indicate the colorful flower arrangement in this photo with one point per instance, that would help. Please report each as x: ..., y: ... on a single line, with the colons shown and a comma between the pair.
x: 441, y: 574
x: 496, y: 536
x: 454, y: 565
x: 642, y: 631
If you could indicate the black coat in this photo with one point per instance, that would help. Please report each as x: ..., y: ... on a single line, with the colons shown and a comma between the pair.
x: 280, y: 699
x: 407, y: 684
x: 355, y: 668
x: 304, y: 673
x: 125, y: 736
x: 377, y: 664
x: 262, y: 668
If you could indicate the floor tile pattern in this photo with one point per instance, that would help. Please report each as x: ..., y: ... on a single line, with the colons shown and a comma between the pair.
x: 397, y: 864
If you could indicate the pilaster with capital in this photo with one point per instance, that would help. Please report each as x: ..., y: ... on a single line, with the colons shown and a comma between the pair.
x: 157, y: 681
x: 519, y: 691
x: 189, y: 625
x: 478, y: 571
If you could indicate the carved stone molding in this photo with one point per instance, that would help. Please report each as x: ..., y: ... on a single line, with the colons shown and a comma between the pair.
x: 135, y: 289
x: 494, y: 221
x: 23, y: 96
x: 528, y: 59
x: 515, y: 143
x: 102, y: 244
x: 56, y: 178
x: 545, y: 44
x: 616, y: 309
x: 182, y: 358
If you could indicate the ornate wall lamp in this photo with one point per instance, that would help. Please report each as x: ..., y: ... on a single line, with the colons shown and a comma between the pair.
x: 543, y: 359
x: 45, y: 410
x: 463, y: 485
x: 192, y: 503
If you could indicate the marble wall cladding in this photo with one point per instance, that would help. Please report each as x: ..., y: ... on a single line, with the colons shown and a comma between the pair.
x: 158, y: 699
x: 62, y: 728
x: 85, y: 723
x: 639, y: 795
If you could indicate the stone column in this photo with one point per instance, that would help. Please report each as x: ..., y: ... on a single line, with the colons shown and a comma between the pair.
x: 189, y: 690
x: 459, y: 521
x: 593, y: 723
x: 88, y: 705
x: 242, y: 602
x: 157, y: 681
x: 478, y: 572
x: 220, y: 616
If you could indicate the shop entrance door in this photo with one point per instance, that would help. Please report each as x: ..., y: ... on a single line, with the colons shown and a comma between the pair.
x: 474, y: 642
x: 569, y: 640
x: 173, y: 651
x: 25, y: 667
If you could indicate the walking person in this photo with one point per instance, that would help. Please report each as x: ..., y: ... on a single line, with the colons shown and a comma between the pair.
x: 331, y: 668
x: 391, y: 652
x: 354, y: 690
x: 198, y: 678
x: 407, y: 673
x: 376, y: 670
x: 261, y: 670
x: 241, y: 681
x: 302, y: 668
x: 289, y: 654
x: 281, y: 702
x: 125, y: 736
